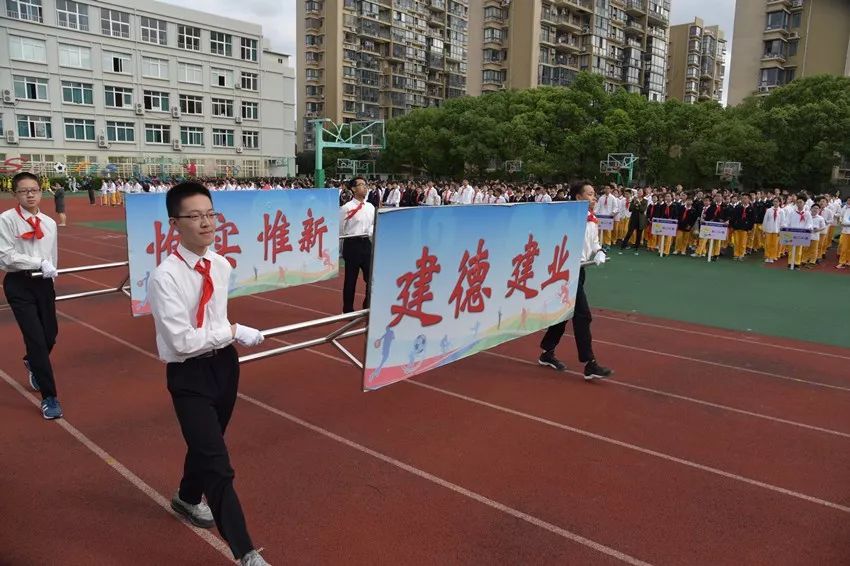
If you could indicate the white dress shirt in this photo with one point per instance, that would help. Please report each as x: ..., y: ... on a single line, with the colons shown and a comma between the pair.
x: 361, y: 224
x: 17, y: 254
x: 818, y: 227
x: 845, y: 220
x: 394, y: 198
x: 772, y: 220
x: 431, y: 197
x: 466, y: 195
x: 591, y: 241
x: 174, y: 293
x: 794, y: 219
x: 606, y: 205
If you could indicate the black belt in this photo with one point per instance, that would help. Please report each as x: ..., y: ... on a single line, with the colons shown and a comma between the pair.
x: 24, y: 272
x: 358, y: 237
x: 210, y: 354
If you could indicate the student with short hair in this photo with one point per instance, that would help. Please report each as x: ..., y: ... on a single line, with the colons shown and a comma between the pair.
x: 770, y: 230
x: 687, y: 217
x: 799, y: 217
x: 844, y: 240
x: 28, y: 245
x: 811, y: 254
x: 188, y: 297
x: 591, y: 250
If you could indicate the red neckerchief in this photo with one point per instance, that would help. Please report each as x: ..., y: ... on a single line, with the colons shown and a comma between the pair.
x: 744, y: 213
x: 592, y: 217
x: 353, y: 211
x: 203, y: 267
x: 802, y: 216
x: 667, y: 211
x: 34, y: 222
x: 775, y: 213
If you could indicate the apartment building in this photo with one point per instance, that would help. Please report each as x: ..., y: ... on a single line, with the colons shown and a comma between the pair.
x: 526, y: 43
x: 142, y: 88
x: 363, y: 60
x: 776, y: 41
x: 696, y: 64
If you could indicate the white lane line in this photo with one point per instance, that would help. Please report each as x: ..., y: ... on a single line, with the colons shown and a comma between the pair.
x: 656, y: 391
x: 68, y: 251
x: 719, y: 364
x: 411, y: 469
x: 554, y: 529
x: 743, y: 338
x: 690, y: 399
x: 595, y: 436
x: 89, y: 240
x: 123, y: 471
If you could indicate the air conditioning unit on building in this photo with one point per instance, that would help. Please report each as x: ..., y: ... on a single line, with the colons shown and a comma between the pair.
x: 794, y: 35
x: 140, y: 109
x: 237, y: 86
x: 8, y: 96
x: 175, y: 111
x: 176, y: 145
x: 11, y: 136
x: 102, y: 141
x: 239, y: 119
x: 239, y: 149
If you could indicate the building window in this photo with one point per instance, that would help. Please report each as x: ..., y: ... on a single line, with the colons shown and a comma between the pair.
x: 24, y: 10
x: 72, y: 15
x: 30, y: 88
x: 777, y: 20
x: 74, y: 56
x: 222, y: 77
x: 157, y: 133
x: 250, y: 111
x: 221, y: 43
x: 155, y: 100
x: 38, y: 127
x: 249, y: 49
x: 79, y: 130
x: 117, y: 63
x: 27, y: 49
x: 153, y: 31
x: 313, y: 40
x: 114, y: 23
x: 121, y: 131
x: 222, y: 138
x: 189, y: 38
x: 118, y: 97
x: 191, y: 73
x: 796, y: 20
x: 492, y: 34
x: 191, y: 104
x: 792, y: 47
x: 251, y: 139
x: 249, y: 81
x: 492, y: 77
x: 222, y: 107
x: 77, y: 93
x: 154, y: 68
x: 191, y: 136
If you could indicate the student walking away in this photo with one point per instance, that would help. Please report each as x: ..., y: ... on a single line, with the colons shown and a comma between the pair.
x: 581, y: 316
x: 637, y: 221
x: 357, y: 220
x: 28, y: 245
x: 188, y: 296
x: 58, y: 192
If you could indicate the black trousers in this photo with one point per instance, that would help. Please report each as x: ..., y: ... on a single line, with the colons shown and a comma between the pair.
x: 203, y: 392
x: 581, y: 327
x: 634, y: 226
x: 357, y: 253
x: 91, y: 195
x: 33, y: 301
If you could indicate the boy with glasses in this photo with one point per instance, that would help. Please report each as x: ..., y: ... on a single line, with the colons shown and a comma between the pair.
x: 28, y: 245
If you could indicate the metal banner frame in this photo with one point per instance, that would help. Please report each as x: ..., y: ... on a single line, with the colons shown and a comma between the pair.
x: 121, y: 288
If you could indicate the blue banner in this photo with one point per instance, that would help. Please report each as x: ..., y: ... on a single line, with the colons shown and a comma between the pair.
x: 273, y: 239
x: 451, y: 281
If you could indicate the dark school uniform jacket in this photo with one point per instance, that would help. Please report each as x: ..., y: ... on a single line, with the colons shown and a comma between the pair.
x: 742, y: 218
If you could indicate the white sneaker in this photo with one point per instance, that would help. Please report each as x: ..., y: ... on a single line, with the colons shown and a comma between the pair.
x: 253, y: 558
x: 199, y: 515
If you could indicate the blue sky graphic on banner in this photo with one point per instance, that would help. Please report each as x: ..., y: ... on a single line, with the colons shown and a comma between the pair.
x: 451, y: 281
x: 273, y: 239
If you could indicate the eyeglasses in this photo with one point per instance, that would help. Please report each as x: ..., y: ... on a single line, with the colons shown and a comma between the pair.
x: 196, y: 216
x: 28, y: 192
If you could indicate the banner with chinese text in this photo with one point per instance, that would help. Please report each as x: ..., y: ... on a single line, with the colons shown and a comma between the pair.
x: 448, y: 282
x: 273, y: 239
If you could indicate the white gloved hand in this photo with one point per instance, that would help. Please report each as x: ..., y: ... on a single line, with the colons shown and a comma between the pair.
x: 248, y: 336
x: 600, y: 258
x: 48, y: 270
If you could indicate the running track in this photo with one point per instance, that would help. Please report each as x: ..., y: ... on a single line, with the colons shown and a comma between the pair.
x: 705, y: 449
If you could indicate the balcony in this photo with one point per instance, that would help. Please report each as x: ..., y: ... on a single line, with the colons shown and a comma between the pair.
x: 582, y: 5
x: 633, y: 27
x: 635, y: 7
x: 780, y: 31
x: 774, y: 59
x: 658, y: 17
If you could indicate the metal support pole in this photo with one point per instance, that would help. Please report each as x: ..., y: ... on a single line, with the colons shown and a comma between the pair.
x: 661, y: 246
x: 298, y: 346
x: 290, y: 328
x: 88, y: 268
x: 710, y: 250
x: 319, y: 177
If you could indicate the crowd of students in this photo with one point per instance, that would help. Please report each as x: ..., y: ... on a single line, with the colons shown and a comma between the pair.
x: 754, y: 219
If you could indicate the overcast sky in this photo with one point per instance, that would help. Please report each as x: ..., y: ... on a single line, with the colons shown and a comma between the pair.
x: 278, y: 17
